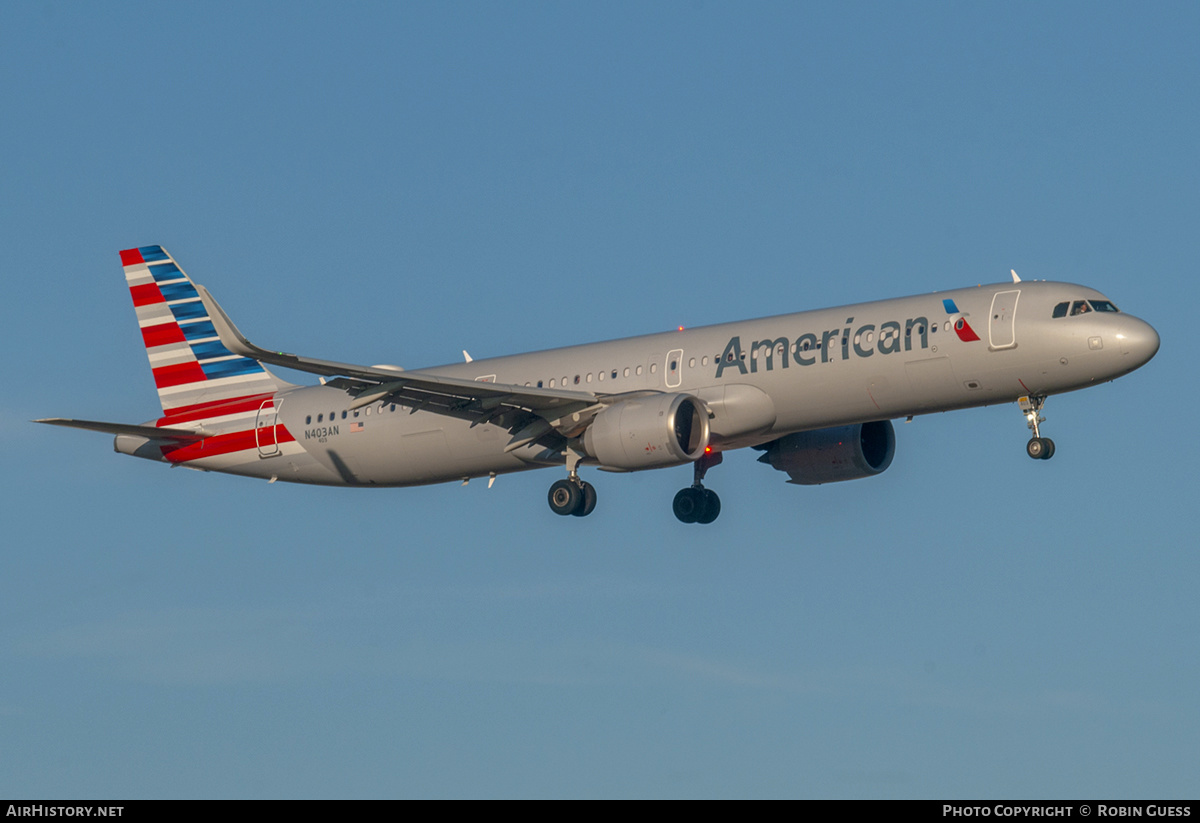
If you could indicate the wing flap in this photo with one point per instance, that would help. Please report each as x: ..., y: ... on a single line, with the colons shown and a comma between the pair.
x: 456, y: 397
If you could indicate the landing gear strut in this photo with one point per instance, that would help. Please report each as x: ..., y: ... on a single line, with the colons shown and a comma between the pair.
x: 573, y: 495
x: 1038, y: 447
x: 697, y: 504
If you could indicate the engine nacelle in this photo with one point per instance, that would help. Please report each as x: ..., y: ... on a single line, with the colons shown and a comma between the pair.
x: 830, y: 455
x: 649, y: 432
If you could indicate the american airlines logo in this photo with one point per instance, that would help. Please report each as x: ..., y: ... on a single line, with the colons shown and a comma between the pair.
x: 867, y: 340
x: 961, y: 327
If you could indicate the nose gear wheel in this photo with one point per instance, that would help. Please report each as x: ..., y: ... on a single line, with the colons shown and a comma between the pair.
x: 1038, y: 447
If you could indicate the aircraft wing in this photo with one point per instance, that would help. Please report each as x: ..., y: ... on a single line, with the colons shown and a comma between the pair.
x: 528, y: 411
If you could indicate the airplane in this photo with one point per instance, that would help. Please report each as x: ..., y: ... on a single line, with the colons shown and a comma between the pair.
x: 815, y: 391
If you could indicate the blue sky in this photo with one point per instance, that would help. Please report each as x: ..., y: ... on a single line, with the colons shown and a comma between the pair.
x: 393, y: 183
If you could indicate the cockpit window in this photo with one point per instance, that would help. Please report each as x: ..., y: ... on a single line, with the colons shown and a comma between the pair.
x: 1083, y: 307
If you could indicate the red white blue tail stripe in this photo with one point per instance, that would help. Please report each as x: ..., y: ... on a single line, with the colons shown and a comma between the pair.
x: 190, y: 365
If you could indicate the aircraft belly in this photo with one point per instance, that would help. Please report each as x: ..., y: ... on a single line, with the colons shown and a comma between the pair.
x: 881, y: 388
x: 841, y: 392
x: 291, y: 463
x: 931, y: 383
x: 401, y: 449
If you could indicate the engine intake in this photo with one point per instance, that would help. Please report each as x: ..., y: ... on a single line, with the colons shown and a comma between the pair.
x: 831, y: 455
x: 649, y: 432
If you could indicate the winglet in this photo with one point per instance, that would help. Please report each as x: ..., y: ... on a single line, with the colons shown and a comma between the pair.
x: 1014, y: 274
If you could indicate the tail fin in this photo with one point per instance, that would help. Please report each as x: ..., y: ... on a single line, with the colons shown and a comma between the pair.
x: 190, y: 364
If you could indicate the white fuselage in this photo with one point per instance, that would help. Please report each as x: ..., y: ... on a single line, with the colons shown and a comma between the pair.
x: 761, y: 379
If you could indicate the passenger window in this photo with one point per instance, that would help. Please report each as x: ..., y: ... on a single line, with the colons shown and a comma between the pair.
x: 308, y: 420
x: 1061, y: 309
x: 626, y: 372
x: 343, y: 415
x: 704, y: 360
x: 639, y: 370
x: 654, y: 368
x: 576, y: 380
x: 320, y: 417
x: 614, y: 374
x: 551, y: 382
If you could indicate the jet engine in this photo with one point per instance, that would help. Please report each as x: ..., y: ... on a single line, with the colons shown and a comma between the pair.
x: 830, y: 455
x: 649, y: 432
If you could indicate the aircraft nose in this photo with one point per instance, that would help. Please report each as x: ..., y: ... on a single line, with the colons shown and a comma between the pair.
x: 1139, y: 340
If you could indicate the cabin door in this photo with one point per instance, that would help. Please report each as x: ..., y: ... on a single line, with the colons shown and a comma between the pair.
x: 1003, y: 323
x: 265, y: 424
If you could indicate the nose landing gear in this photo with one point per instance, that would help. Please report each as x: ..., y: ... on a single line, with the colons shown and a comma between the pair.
x: 1038, y: 447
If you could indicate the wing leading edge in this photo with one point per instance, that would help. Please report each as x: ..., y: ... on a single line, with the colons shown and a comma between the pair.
x: 529, y: 413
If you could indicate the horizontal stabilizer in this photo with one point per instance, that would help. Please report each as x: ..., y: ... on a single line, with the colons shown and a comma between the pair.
x: 150, y: 432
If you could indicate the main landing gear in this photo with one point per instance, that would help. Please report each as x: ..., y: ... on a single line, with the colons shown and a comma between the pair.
x: 1038, y: 447
x: 573, y: 495
x: 577, y: 497
x: 696, y: 504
